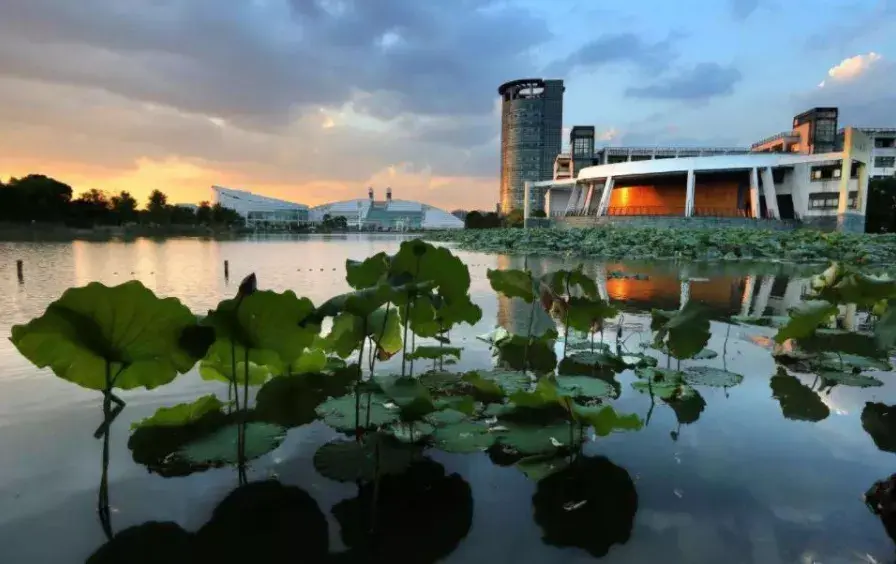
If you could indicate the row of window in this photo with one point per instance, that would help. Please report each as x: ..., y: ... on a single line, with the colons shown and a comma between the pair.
x: 831, y: 172
x: 884, y: 162
x: 830, y: 200
x: 884, y: 142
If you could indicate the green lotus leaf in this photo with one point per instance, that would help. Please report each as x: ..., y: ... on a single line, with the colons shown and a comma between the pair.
x: 537, y: 439
x: 546, y: 394
x: 588, y: 314
x: 537, y: 355
x: 564, y: 282
x: 640, y: 360
x: 434, y: 352
x: 805, y: 318
x: 685, y: 332
x: 708, y: 376
x: 879, y: 421
x: 221, y: 446
x: 125, y: 327
x: 761, y: 321
x: 825, y: 340
x: 370, y: 272
x: 464, y: 437
x: 798, y: 401
x: 513, y: 284
x: 885, y: 329
x: 662, y: 383
x: 463, y: 404
x: 409, y: 431
x: 446, y: 416
x: 585, y: 387
x: 688, y: 405
x: 605, y: 420
x: 409, y: 394
x: 849, y: 379
x: 860, y: 289
x: 508, y: 382
x: 359, y: 303
x: 384, y: 328
x: 541, y: 466
x: 291, y: 401
x: 339, y: 413
x: 350, y: 461
x: 157, y: 446
x: 443, y: 382
x: 312, y: 360
x: 586, y: 362
x: 486, y: 389
x: 422, y: 262
x: 706, y: 354
x: 219, y: 364
x: 832, y: 361
x: 181, y: 414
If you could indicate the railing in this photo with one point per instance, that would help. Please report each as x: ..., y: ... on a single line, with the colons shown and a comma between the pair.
x: 665, y: 211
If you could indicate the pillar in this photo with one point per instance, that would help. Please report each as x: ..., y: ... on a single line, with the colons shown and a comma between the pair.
x: 754, y: 192
x: 588, y: 195
x: 765, y: 292
x: 689, y: 197
x: 862, y: 201
x: 771, y: 196
x: 685, y: 293
x: 602, y: 282
x: 605, y: 197
x: 793, y: 295
x: 747, y: 299
x: 573, y: 198
x: 527, y: 204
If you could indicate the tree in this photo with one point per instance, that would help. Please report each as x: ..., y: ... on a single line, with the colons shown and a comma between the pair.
x: 37, y: 198
x: 514, y: 218
x: 539, y: 213
x: 204, y: 213
x: 89, y: 209
x: 881, y: 209
x: 124, y: 207
x: 226, y: 216
x: 182, y: 215
x: 157, y: 207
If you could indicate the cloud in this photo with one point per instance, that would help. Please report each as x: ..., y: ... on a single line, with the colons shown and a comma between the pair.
x: 862, y: 87
x: 616, y: 48
x: 703, y: 81
x: 851, y: 68
x: 743, y: 9
x: 857, y: 21
x: 281, y: 93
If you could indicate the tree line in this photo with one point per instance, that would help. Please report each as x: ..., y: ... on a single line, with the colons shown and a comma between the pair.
x: 40, y: 198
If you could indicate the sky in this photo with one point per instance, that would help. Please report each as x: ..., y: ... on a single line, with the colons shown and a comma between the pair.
x: 314, y: 100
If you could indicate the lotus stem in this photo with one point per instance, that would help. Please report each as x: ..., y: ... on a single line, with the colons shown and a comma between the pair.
x: 529, y: 336
x: 103, y: 495
x: 358, y: 431
x: 566, y: 317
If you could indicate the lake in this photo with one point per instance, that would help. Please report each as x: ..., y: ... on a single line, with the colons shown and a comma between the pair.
x: 746, y: 482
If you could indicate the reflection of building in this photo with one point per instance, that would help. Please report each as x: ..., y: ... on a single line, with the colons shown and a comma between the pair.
x: 531, y: 130
x: 388, y: 214
x: 257, y: 209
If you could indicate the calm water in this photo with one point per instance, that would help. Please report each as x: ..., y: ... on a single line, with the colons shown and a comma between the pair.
x: 742, y: 484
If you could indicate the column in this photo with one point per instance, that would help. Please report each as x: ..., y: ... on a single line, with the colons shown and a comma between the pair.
x: 526, y: 202
x: 771, y: 196
x: 588, y: 195
x: 793, y: 294
x: 689, y: 197
x: 605, y: 197
x: 747, y: 299
x: 765, y: 292
x: 754, y: 193
x: 602, y: 282
x: 573, y: 197
x: 862, y: 200
x: 685, y: 293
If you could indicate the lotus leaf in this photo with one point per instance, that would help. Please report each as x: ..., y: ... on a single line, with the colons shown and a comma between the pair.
x: 885, y: 329
x: 684, y: 332
x: 527, y: 353
x: 434, y: 352
x: 562, y: 282
x: 462, y: 404
x: 688, y: 406
x: 513, y: 284
x: 350, y: 461
x: 541, y: 466
x: 442, y: 382
x: 339, y: 413
x: 446, y: 417
x: 125, y: 328
x: 708, y: 376
x: 546, y: 394
x: 409, y: 394
x: 761, y: 321
x: 585, y: 387
x: 588, y: 314
x: 852, y: 379
x: 221, y: 446
x: 226, y: 364
x: 370, y: 272
x: 464, y: 437
x: 839, y: 362
x: 585, y: 362
x: 508, y: 381
x: 409, y: 431
x: 604, y: 419
x: 798, y: 401
x: 879, y: 421
x: 312, y: 360
x: 181, y: 414
x: 291, y: 401
x: 422, y: 262
x: 805, y: 318
x: 535, y: 439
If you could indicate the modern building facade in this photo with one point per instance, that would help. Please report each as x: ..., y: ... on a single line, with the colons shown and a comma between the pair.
x: 883, y: 150
x: 260, y: 211
x: 814, y: 131
x: 387, y: 215
x: 531, y: 131
x: 826, y: 190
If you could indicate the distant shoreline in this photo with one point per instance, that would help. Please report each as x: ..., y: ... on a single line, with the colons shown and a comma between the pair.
x: 21, y: 232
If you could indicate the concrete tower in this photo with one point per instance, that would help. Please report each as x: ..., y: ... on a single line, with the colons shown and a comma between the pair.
x: 531, y: 132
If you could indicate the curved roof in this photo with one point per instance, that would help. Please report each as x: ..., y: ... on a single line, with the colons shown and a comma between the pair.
x: 705, y: 163
x: 240, y: 200
x: 519, y: 82
x: 398, y: 210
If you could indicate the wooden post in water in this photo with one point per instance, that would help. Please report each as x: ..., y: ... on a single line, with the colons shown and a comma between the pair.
x: 20, y: 271
x: 226, y: 269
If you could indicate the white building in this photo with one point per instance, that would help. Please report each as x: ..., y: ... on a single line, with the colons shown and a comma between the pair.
x: 883, y: 151
x: 387, y: 215
x: 827, y: 190
x: 260, y: 210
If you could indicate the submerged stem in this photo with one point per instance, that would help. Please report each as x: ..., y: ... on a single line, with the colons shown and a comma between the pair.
x: 103, y: 495
x: 358, y: 432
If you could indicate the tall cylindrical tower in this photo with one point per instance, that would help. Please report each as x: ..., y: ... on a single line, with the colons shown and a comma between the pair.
x: 531, y: 131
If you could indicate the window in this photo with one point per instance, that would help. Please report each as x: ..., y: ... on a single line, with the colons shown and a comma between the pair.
x: 825, y: 172
x: 884, y: 162
x: 821, y: 201
x: 885, y: 142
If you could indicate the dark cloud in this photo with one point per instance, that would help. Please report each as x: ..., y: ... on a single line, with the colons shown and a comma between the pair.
x: 703, y: 81
x: 743, y: 9
x: 617, y: 48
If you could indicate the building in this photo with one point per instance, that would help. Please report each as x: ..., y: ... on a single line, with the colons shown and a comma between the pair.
x: 531, y: 131
x: 814, y: 131
x: 827, y: 190
x: 261, y: 211
x: 883, y: 150
x: 387, y: 215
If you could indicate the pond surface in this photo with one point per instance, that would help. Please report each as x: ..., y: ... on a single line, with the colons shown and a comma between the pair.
x: 745, y: 482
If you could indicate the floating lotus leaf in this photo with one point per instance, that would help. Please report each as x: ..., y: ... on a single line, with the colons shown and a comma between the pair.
x: 464, y: 437
x: 339, y: 413
x: 852, y: 379
x: 825, y: 340
x: 537, y: 439
x: 708, y: 376
x: 507, y: 382
x: 442, y: 382
x: 446, y: 417
x: 805, y: 318
x: 585, y: 387
x: 181, y: 414
x: 125, y: 327
x: 688, y: 406
x: 541, y: 466
x: 220, y: 447
x: 705, y: 354
x: 527, y: 353
x: 588, y: 314
x: 639, y: 360
x: 152, y: 541
x: 685, y: 332
x: 838, y: 362
x: 589, y: 505
x: 409, y: 431
x: 350, y: 461
x: 291, y: 400
x: 463, y: 404
x: 662, y: 383
x: 587, y: 345
x: 434, y: 352
x: 879, y: 421
x: 545, y: 394
x: 513, y: 284
x: 604, y: 419
x: 798, y: 401
x: 409, y: 394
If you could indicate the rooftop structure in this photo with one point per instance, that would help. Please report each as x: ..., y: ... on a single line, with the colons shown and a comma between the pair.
x: 828, y: 190
x: 531, y: 130
x: 387, y: 215
x: 261, y: 210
